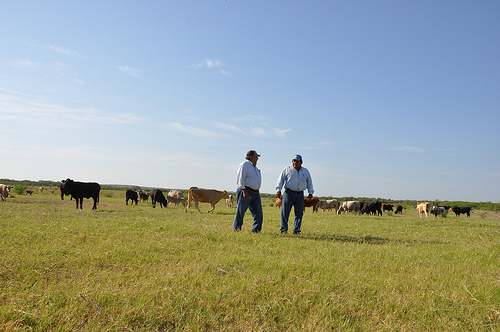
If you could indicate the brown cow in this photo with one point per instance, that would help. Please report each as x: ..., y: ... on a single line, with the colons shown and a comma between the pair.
x: 211, y: 196
x: 314, y: 202
x: 423, y: 208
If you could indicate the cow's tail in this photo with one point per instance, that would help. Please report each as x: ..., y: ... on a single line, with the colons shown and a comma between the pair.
x: 190, y: 193
x: 190, y: 198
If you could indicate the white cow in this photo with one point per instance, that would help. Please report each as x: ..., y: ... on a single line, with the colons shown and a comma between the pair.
x: 423, y: 208
x: 176, y: 193
x: 329, y: 205
x: 4, y: 191
x: 229, y: 201
x: 349, y: 206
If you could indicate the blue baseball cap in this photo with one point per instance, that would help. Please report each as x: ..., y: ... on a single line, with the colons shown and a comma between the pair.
x: 297, y: 157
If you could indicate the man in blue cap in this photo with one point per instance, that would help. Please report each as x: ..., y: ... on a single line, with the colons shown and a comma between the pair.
x: 295, y: 179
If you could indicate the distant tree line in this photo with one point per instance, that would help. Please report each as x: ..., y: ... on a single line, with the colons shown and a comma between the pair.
x: 31, y: 183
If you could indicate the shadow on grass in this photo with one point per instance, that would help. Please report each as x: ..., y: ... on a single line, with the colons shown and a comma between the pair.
x: 367, y: 239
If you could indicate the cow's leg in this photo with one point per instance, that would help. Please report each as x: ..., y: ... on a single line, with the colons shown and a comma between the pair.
x: 187, y: 204
x: 196, y: 205
x: 212, y: 207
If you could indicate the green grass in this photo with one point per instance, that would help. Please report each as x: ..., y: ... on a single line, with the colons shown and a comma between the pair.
x: 135, y: 268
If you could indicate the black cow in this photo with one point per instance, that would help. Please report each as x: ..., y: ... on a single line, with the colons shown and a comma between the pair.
x: 157, y: 196
x: 438, y: 210
x: 458, y: 210
x: 372, y: 207
x: 79, y: 190
x: 387, y: 207
x: 143, y: 196
x: 399, y: 209
x: 132, y: 195
x: 61, y: 187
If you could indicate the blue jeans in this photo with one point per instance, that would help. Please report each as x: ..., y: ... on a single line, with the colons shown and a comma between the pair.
x: 255, y: 206
x: 289, y: 199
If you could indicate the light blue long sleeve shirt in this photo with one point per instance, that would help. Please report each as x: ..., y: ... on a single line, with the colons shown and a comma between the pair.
x: 248, y: 175
x: 295, y: 180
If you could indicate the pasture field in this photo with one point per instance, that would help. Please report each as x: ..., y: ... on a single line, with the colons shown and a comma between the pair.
x: 135, y: 268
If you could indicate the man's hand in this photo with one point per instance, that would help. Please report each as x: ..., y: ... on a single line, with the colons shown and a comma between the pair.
x: 245, y: 194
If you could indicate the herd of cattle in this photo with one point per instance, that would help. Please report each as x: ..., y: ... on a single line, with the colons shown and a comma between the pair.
x: 376, y: 208
x: 80, y: 190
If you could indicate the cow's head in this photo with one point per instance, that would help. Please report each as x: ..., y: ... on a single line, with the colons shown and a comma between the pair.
x: 66, y: 185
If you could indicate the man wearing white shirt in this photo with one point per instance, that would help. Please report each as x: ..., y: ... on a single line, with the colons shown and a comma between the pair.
x: 295, y: 179
x: 248, y: 181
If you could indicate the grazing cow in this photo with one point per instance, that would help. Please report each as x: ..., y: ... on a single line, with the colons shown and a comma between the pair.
x: 157, y: 196
x: 458, y: 210
x: 230, y: 201
x: 132, y: 195
x: 423, y: 208
x: 278, y: 202
x: 387, y: 207
x: 349, y: 206
x: 40, y: 189
x: 314, y: 202
x: 331, y: 204
x: 399, y: 209
x: 211, y: 196
x: 80, y: 190
x: 175, y: 200
x: 143, y: 196
x: 30, y: 192
x: 372, y: 207
x: 176, y: 193
x: 4, y: 191
x: 438, y: 210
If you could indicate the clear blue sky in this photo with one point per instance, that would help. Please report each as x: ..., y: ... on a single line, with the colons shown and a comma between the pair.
x: 389, y: 99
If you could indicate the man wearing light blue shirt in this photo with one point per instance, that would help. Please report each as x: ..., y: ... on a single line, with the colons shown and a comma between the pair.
x: 295, y: 179
x: 248, y: 181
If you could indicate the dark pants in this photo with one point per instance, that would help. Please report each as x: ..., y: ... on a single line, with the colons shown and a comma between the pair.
x: 255, y: 206
x: 289, y: 199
